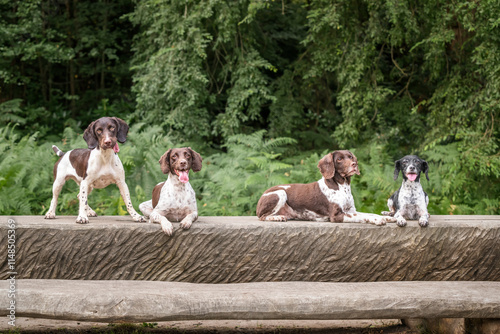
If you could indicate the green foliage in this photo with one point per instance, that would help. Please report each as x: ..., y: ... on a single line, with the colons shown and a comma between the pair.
x: 21, y: 179
x: 204, y: 67
x: 233, y: 182
x: 149, y: 324
x: 59, y: 60
x: 383, y: 78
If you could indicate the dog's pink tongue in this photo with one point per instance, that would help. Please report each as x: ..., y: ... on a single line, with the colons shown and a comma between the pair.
x: 411, y: 177
x: 116, y: 149
x: 184, y: 176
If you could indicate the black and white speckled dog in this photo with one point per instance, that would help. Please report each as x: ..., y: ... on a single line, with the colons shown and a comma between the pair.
x: 410, y: 200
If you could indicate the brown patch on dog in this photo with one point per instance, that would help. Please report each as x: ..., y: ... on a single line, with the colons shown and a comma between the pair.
x: 156, y: 194
x: 55, y: 167
x: 197, y: 160
x: 327, y: 166
x: 165, y: 162
x: 79, y: 159
x: 266, y: 204
x: 336, y: 213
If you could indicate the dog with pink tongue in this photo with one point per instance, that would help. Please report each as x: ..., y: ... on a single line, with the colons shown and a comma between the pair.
x: 174, y: 200
x: 410, y: 200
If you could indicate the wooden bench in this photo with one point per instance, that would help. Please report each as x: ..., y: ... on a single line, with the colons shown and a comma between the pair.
x: 143, y: 301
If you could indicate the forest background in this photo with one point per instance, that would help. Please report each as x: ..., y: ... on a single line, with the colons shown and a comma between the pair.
x: 262, y: 89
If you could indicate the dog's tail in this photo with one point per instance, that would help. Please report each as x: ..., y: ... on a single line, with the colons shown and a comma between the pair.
x: 57, y: 151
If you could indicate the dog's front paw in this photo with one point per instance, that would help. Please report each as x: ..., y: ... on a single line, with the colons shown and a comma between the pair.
x: 186, y: 223
x: 91, y: 213
x: 401, y: 222
x: 278, y: 218
x: 423, y: 222
x: 82, y: 220
x: 166, y: 226
x: 387, y: 213
x: 50, y: 215
x: 390, y: 219
x: 379, y: 221
x: 138, y: 218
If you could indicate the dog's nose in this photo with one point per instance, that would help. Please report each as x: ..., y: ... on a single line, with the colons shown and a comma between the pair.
x: 183, y: 163
x: 411, y: 168
x: 107, y: 142
x: 354, y: 164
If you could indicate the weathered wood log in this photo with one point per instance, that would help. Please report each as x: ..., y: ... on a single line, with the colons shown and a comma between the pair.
x: 243, y: 249
x: 139, y: 301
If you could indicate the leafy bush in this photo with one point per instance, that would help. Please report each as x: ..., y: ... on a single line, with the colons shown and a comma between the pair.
x: 231, y: 181
x: 383, y: 78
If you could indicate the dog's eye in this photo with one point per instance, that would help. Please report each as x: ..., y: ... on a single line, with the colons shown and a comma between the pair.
x: 405, y: 161
x: 98, y: 131
x: 187, y: 155
x: 339, y: 159
x: 111, y: 128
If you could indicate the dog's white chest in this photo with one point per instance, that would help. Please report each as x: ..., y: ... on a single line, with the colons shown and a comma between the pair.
x: 342, y: 197
x: 412, y: 193
x: 177, y: 200
x: 103, y: 181
x: 103, y: 173
x: 412, y: 199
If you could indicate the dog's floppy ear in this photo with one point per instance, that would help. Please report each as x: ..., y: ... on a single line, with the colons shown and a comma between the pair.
x: 425, y: 169
x: 326, y: 166
x: 397, y: 168
x: 121, y: 132
x: 196, y: 165
x: 90, y: 137
x: 165, y: 162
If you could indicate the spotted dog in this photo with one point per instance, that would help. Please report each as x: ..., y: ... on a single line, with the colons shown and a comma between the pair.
x: 95, y: 167
x: 328, y: 199
x: 410, y: 200
x: 174, y: 199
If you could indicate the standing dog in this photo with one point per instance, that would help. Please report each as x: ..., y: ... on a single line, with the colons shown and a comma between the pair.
x: 410, y: 200
x: 174, y: 199
x: 328, y: 199
x: 95, y: 167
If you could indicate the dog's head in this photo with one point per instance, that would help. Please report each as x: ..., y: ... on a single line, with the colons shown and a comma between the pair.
x: 178, y: 162
x: 105, y: 132
x: 342, y: 162
x: 411, y: 166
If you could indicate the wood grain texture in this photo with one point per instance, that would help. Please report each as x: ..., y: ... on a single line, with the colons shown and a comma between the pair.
x: 243, y: 249
x: 146, y: 301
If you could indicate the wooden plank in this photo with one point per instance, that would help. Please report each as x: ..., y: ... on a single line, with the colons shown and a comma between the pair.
x: 138, y: 301
x: 243, y: 249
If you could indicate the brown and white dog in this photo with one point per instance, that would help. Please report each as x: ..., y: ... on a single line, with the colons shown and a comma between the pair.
x: 174, y: 199
x: 328, y: 199
x: 95, y: 167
